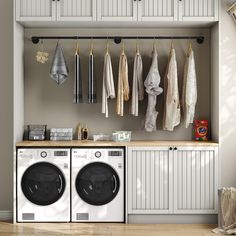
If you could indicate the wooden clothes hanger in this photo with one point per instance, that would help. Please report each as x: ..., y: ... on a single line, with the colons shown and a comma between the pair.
x: 91, y: 47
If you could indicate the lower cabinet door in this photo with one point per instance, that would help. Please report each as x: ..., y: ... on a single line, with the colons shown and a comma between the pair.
x: 195, y: 180
x: 150, y: 180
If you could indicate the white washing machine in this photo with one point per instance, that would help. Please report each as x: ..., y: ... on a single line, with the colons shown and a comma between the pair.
x: 98, y: 185
x: 43, y: 185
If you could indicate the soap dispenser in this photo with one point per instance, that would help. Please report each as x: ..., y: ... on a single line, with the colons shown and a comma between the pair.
x: 85, y: 133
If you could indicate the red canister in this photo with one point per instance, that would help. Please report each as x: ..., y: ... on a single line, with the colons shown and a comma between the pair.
x: 201, y: 130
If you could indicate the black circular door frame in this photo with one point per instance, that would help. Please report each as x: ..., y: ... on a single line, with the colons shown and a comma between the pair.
x: 97, y: 183
x: 43, y: 183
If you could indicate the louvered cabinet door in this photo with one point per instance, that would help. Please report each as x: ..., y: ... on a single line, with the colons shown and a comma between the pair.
x: 35, y: 10
x: 150, y: 180
x: 157, y: 10
x: 117, y: 10
x: 76, y: 10
x: 195, y: 180
x: 199, y: 10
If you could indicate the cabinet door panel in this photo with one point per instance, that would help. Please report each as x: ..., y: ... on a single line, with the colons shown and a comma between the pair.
x: 117, y: 10
x: 157, y: 10
x: 196, y: 180
x: 149, y: 181
x: 198, y: 10
x: 76, y: 10
x: 35, y: 10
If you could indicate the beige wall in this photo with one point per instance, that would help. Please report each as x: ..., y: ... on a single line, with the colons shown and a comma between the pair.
x: 46, y: 102
x: 227, y: 96
x: 6, y: 104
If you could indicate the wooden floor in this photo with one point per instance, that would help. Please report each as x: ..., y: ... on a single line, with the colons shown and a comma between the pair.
x: 42, y: 229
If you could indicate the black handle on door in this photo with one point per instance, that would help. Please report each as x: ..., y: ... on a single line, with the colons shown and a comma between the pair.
x: 175, y: 148
x: 170, y: 148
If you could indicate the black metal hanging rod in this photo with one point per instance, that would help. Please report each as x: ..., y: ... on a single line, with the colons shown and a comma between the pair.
x: 117, y: 39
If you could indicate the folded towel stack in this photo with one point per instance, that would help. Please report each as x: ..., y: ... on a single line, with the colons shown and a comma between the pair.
x: 37, y: 132
x: 61, y: 134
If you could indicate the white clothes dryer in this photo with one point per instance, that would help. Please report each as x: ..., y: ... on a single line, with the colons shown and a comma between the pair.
x: 43, y: 185
x: 98, y: 192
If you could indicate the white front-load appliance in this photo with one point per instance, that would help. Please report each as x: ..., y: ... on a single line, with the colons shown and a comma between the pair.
x: 43, y: 185
x: 98, y: 185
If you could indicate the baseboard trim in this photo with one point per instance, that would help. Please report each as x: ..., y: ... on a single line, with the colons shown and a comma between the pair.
x: 172, y: 219
x: 6, y: 215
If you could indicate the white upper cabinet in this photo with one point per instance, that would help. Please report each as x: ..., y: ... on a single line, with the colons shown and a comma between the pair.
x: 35, y: 10
x: 117, y: 10
x: 157, y: 10
x: 76, y: 10
x: 198, y: 10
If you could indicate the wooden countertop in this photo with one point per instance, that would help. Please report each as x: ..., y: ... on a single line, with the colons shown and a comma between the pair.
x: 77, y: 143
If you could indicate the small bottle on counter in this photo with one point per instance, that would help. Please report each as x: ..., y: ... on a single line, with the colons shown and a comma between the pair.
x: 85, y: 133
x: 79, y: 135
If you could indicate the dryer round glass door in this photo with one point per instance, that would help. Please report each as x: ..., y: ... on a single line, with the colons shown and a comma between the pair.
x: 43, y: 183
x: 97, y: 183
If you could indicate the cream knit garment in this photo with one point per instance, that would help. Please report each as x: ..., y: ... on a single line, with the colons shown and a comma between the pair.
x: 172, y: 103
x: 123, y: 85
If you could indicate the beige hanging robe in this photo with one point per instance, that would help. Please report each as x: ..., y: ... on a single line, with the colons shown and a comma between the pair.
x: 123, y: 85
x: 189, y: 94
x: 108, y: 89
x: 138, y: 88
x: 153, y: 89
x: 172, y: 103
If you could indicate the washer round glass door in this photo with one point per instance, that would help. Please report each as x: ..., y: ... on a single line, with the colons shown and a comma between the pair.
x: 97, y: 183
x: 43, y: 183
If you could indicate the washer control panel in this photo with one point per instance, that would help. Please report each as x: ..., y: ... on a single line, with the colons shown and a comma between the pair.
x: 43, y: 153
x: 97, y: 154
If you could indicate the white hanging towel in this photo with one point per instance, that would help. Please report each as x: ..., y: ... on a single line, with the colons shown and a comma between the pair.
x: 108, y: 89
x: 138, y: 88
x: 152, y: 88
x: 189, y: 94
x: 172, y: 103
x: 123, y: 85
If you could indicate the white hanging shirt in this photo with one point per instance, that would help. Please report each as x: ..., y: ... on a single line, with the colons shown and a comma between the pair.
x: 138, y: 88
x: 108, y: 89
x: 189, y: 96
x: 172, y: 105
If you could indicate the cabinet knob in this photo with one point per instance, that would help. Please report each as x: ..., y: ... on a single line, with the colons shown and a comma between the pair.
x: 175, y: 148
x: 170, y: 148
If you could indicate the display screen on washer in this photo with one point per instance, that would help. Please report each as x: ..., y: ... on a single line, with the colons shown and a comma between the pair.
x: 60, y: 153
x: 97, y: 183
x: 43, y: 183
x: 115, y: 153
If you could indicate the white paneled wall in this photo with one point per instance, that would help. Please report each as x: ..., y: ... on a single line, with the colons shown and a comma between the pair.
x: 149, y: 180
x: 76, y: 10
x: 119, y: 10
x: 195, y: 180
x: 157, y: 10
x: 198, y: 9
x: 35, y: 9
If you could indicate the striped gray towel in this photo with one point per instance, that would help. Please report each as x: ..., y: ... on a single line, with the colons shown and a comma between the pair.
x: 59, y: 69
